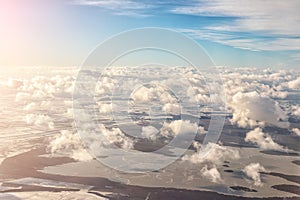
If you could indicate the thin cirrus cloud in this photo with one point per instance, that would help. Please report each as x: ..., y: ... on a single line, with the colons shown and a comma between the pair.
x: 251, y: 24
x: 117, y: 7
x: 275, y: 17
x: 269, y: 25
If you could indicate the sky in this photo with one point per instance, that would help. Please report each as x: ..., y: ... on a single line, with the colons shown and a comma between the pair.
x: 249, y: 33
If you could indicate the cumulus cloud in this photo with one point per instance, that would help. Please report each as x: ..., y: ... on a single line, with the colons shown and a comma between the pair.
x: 39, y: 120
x: 177, y: 127
x: 171, y: 129
x: 183, y: 127
x: 296, y: 110
x: 263, y: 140
x: 115, y: 135
x: 30, y: 106
x: 173, y: 109
x: 69, y: 144
x: 106, y: 85
x: 296, y: 131
x: 22, y: 96
x: 294, y: 84
x: 212, y: 174
x: 14, y: 83
x: 251, y: 109
x: 212, y: 154
x: 149, y: 132
x: 151, y: 93
x: 48, y: 87
x: 106, y: 138
x: 252, y: 171
x: 105, y: 108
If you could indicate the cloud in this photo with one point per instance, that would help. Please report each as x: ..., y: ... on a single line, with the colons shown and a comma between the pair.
x: 171, y: 129
x: 212, y: 174
x: 14, y: 83
x: 69, y: 144
x: 294, y: 84
x: 296, y: 131
x: 151, y: 93
x: 173, y: 109
x: 249, y: 24
x: 106, y: 138
x: 199, y: 95
x: 106, y: 85
x: 236, y: 40
x: 296, y: 110
x: 30, y: 106
x: 105, y: 108
x: 179, y: 127
x: 260, y: 18
x: 251, y: 109
x: 213, y: 154
x: 149, y: 132
x: 252, y: 171
x: 39, y: 120
x: 48, y: 87
x: 263, y: 140
x: 22, y: 96
x: 118, y: 7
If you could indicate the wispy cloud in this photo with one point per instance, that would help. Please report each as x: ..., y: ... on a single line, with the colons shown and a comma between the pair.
x: 253, y: 43
x: 250, y: 24
x: 273, y: 17
x: 119, y: 7
x: 270, y: 25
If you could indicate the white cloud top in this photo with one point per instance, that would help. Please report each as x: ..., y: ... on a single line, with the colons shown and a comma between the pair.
x: 263, y: 140
x: 252, y: 171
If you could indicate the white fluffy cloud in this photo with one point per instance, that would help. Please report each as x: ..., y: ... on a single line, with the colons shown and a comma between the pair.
x: 153, y: 93
x: 31, y: 106
x: 294, y: 84
x: 43, y: 86
x: 22, y: 96
x: 39, y: 120
x: 106, y: 85
x: 296, y: 110
x: 251, y: 109
x: 183, y: 127
x: 252, y: 171
x: 263, y: 140
x: 296, y: 131
x: 149, y: 132
x: 14, y: 83
x: 179, y: 127
x: 212, y: 174
x: 105, y: 108
x: 171, y: 129
x: 115, y: 135
x: 69, y: 144
x: 212, y: 154
x: 173, y: 109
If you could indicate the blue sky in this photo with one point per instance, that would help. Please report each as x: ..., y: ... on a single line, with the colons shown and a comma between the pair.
x: 234, y: 33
